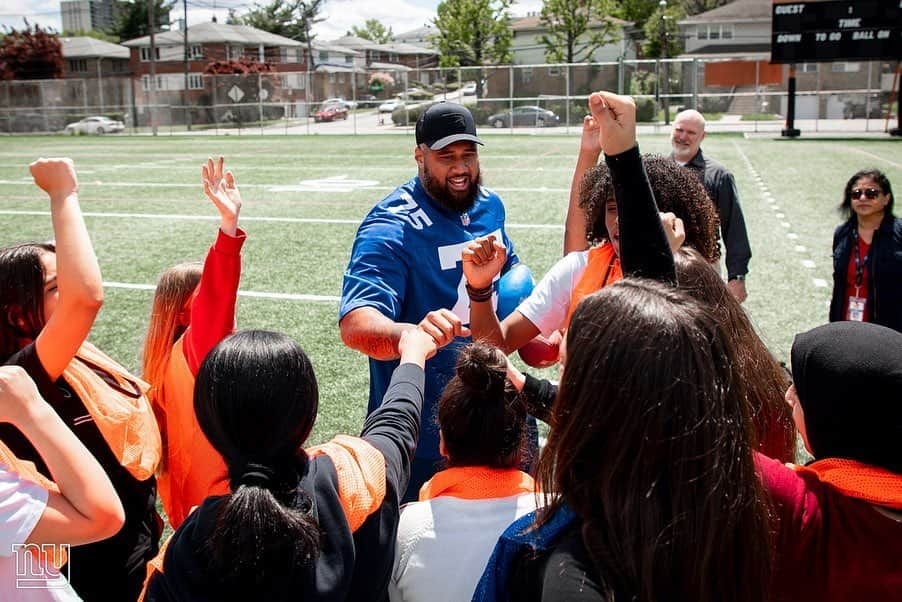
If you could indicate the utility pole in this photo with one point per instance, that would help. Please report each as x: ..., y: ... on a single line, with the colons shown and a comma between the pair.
x: 665, y: 66
x: 185, y: 100
x: 153, y: 67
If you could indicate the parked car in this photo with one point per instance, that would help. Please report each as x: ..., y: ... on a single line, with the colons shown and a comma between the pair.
x: 469, y: 89
x: 30, y: 122
x: 524, y: 116
x: 348, y: 104
x: 390, y: 105
x: 331, y: 112
x: 95, y: 125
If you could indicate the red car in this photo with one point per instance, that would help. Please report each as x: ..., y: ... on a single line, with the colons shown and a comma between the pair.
x: 331, y: 113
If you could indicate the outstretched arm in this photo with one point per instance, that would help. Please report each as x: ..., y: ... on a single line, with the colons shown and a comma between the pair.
x: 86, y: 508
x: 77, y: 279
x: 483, y: 260
x: 213, y: 309
x: 645, y: 249
x: 367, y: 330
x: 575, y: 223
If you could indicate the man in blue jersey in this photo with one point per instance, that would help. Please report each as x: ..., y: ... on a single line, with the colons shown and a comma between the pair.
x: 405, y: 268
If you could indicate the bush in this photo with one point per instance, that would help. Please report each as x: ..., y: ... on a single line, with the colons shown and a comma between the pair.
x: 646, y: 110
x: 408, y: 115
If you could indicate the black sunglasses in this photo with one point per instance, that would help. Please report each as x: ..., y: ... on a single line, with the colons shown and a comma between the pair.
x: 871, y: 193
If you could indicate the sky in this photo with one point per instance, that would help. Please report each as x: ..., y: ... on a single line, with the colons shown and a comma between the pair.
x: 340, y: 15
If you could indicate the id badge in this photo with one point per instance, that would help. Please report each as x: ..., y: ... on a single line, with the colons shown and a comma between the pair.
x: 856, y: 308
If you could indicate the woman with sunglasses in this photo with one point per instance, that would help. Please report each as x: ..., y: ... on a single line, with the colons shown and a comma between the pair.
x: 867, y: 254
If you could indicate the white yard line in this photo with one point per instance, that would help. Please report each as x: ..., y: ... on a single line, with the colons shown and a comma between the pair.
x: 254, y: 294
x: 288, y: 220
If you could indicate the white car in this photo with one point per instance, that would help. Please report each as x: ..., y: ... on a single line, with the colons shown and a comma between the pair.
x: 348, y: 104
x: 469, y: 89
x: 95, y: 125
x: 390, y: 105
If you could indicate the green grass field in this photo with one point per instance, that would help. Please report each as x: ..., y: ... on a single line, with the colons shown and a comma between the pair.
x: 304, y: 196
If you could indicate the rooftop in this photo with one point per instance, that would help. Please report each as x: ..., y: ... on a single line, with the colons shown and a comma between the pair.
x: 216, y: 33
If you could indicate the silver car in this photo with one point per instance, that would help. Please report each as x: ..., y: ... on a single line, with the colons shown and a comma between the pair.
x: 95, y: 125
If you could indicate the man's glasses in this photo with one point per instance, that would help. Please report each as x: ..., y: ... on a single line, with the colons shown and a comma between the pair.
x: 871, y: 193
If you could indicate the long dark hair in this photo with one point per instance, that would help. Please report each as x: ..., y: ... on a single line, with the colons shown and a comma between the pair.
x: 650, y: 447
x: 481, y: 417
x: 21, y: 294
x: 765, y: 380
x: 676, y: 189
x: 256, y: 399
x: 845, y: 207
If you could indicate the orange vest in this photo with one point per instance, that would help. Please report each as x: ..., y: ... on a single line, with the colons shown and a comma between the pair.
x: 27, y: 471
x: 603, y: 269
x: 117, y: 403
x: 861, y: 481
x: 191, y: 469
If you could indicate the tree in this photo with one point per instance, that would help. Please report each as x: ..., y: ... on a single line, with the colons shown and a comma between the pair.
x: 654, y: 31
x: 288, y: 18
x: 636, y: 11
x: 373, y: 30
x: 32, y: 53
x: 131, y: 19
x: 473, y: 32
x: 92, y: 33
x: 576, y: 29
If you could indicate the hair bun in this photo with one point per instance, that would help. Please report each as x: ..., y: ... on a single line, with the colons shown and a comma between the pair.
x: 477, y: 367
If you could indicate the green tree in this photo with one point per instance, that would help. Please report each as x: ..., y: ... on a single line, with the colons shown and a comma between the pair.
x: 655, y: 31
x: 473, y: 32
x: 131, y: 19
x: 576, y: 29
x: 636, y: 12
x: 93, y: 33
x: 373, y: 30
x: 288, y: 18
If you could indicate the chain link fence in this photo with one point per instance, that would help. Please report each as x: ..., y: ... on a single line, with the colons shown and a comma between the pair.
x: 732, y: 93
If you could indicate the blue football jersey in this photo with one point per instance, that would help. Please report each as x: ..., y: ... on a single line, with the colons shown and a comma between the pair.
x: 405, y: 263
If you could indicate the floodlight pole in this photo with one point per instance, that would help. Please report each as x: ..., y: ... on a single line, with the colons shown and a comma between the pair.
x: 790, y: 131
x: 897, y: 131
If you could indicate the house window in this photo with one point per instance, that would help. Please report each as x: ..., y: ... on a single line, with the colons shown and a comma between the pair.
x: 78, y: 65
x: 195, y: 81
x: 331, y: 78
x: 726, y: 31
x: 323, y: 57
x: 197, y: 51
x: 714, y: 32
x: 526, y: 74
x: 349, y: 59
x: 554, y: 71
x: 702, y: 32
x: 807, y: 68
x: 843, y: 67
x: 375, y: 55
x: 341, y: 78
x: 146, y: 81
x: 233, y: 53
x: 145, y: 53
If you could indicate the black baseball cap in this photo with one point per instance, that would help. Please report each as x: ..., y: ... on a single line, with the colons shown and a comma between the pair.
x: 445, y: 123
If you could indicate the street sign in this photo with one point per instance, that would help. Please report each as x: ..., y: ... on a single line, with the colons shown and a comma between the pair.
x: 844, y: 30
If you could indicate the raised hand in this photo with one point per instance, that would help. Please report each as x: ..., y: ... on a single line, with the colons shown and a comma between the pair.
x: 482, y: 260
x: 55, y: 176
x: 616, y: 118
x: 589, y: 142
x: 416, y: 346
x: 674, y: 229
x: 18, y: 394
x: 443, y: 326
x: 221, y: 189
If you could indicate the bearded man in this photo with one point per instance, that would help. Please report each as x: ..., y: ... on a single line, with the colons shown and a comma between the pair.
x: 405, y: 269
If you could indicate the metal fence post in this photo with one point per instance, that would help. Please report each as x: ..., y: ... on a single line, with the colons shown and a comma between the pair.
x: 867, y: 100
x: 567, y: 94
x: 511, y: 99
x: 695, y: 84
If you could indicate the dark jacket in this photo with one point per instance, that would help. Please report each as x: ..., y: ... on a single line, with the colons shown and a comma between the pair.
x: 884, y: 267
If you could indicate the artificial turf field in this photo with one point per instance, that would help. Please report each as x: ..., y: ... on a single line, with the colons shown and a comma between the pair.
x: 304, y: 196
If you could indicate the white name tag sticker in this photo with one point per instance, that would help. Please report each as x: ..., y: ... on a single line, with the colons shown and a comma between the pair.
x: 856, y: 308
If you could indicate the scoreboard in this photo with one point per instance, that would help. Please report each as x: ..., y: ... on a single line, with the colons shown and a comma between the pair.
x: 815, y: 32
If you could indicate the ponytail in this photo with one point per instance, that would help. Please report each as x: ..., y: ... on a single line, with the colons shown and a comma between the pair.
x: 263, y: 535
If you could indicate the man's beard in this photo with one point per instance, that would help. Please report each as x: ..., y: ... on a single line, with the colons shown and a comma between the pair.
x: 456, y: 201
